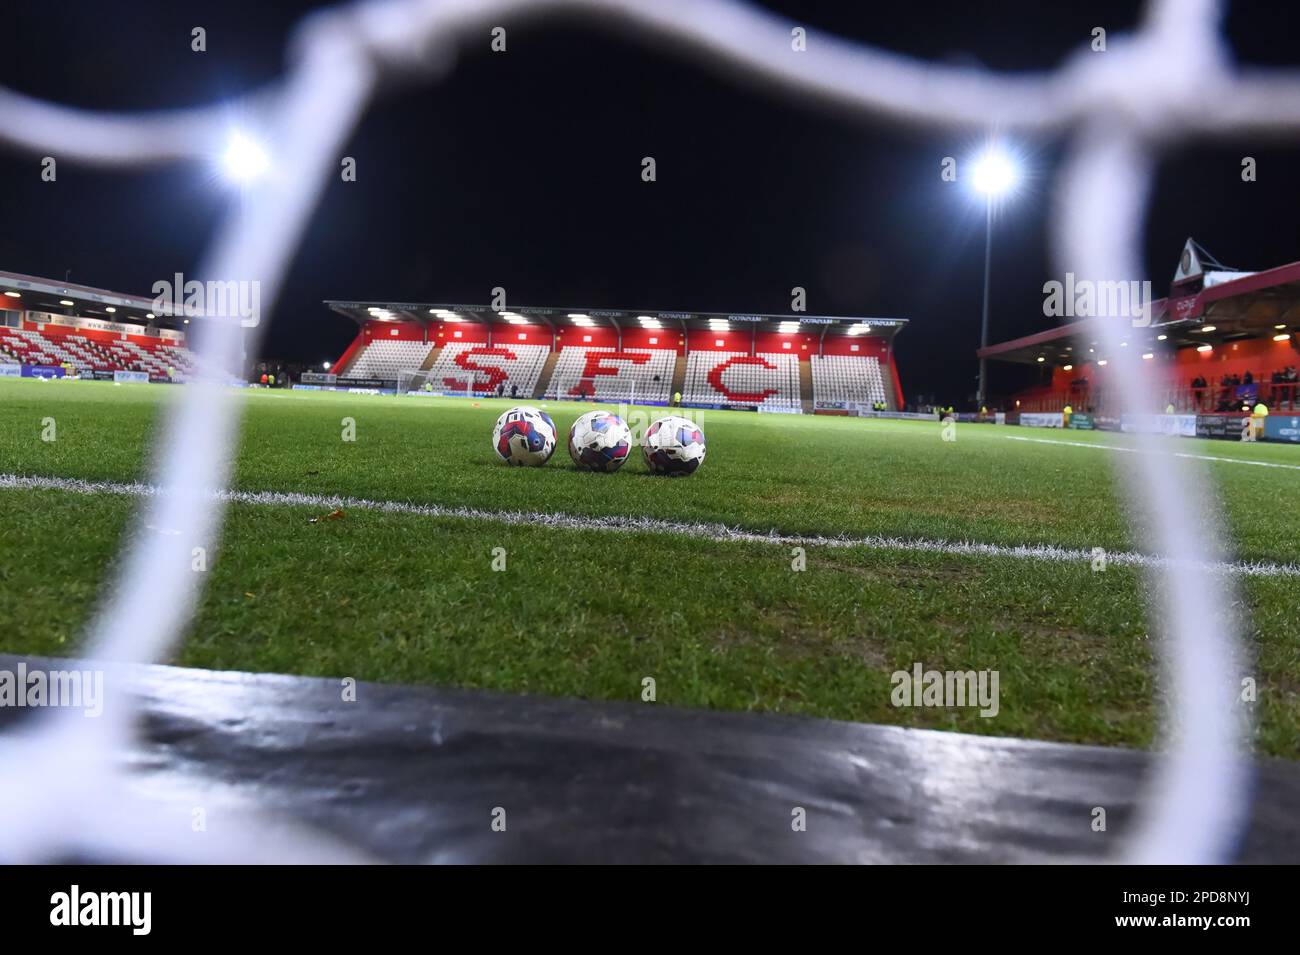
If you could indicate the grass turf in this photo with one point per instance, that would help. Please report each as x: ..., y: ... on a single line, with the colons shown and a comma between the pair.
x: 590, y: 614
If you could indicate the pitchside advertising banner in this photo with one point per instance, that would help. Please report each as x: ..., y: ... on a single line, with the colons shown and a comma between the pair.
x: 1282, y: 428
x: 1081, y: 422
x: 11, y: 371
x: 1179, y: 425
x: 1037, y: 419
x: 1218, y: 426
x: 131, y: 376
x: 43, y: 371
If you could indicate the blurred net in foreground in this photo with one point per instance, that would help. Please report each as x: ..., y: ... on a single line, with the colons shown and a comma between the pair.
x: 67, y: 794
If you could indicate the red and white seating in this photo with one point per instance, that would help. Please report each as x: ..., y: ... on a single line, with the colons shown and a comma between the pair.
x: 602, y: 373
x: 468, y: 368
x: 770, y: 381
x: 88, y: 354
x: 30, y: 346
x: 847, y: 379
x: 385, y: 359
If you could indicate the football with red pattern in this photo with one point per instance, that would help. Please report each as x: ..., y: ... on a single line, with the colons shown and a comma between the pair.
x: 673, y: 446
x: 599, y: 441
x: 524, y: 436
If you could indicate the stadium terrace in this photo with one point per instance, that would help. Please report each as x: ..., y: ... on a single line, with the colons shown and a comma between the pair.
x: 769, y: 363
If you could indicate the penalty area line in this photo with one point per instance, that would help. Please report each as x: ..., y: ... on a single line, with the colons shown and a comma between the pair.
x: 720, y: 533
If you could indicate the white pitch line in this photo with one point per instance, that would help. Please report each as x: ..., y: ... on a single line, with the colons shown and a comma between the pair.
x: 650, y: 525
x: 1176, y: 454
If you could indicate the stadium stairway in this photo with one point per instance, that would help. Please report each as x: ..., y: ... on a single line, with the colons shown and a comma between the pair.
x: 805, y: 385
x: 887, y: 378
x: 404, y: 773
x: 433, y: 357
x: 679, y: 376
x: 548, y: 369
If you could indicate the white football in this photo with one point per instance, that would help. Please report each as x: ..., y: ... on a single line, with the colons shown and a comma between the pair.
x: 599, y: 441
x: 524, y: 436
x: 673, y: 446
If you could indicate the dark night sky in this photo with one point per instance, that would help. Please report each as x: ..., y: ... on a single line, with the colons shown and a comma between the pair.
x: 523, y: 170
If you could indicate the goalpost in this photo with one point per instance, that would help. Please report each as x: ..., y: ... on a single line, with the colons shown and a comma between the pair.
x: 416, y: 380
x: 411, y: 379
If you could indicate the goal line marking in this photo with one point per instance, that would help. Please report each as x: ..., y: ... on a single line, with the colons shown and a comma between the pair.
x: 650, y: 525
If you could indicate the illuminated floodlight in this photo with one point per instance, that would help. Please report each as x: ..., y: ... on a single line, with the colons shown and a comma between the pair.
x: 583, y: 320
x: 244, y: 159
x: 862, y: 328
x: 1204, y: 348
x: 66, y: 301
x: 1281, y: 338
x: 994, y: 173
x: 14, y: 294
x: 325, y: 365
x: 788, y: 327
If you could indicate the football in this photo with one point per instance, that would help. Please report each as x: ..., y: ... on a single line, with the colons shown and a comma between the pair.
x: 599, y: 441
x: 524, y: 436
x: 673, y: 446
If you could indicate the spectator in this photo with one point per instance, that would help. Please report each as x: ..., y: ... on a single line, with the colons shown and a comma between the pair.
x: 514, y: 390
x: 501, y: 388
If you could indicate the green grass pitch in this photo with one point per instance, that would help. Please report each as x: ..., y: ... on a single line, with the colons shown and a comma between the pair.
x: 588, y: 613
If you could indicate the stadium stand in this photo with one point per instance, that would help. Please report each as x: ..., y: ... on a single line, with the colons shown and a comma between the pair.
x: 384, y: 359
x: 465, y: 366
x: 848, y: 379
x: 712, y: 359
x: 768, y: 381
x: 84, y: 353
x: 606, y: 374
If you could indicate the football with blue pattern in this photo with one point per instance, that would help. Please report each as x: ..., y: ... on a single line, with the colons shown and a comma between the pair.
x: 524, y: 436
x: 673, y: 446
x: 599, y: 441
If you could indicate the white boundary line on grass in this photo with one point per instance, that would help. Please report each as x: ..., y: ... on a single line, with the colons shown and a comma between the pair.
x: 650, y: 525
x: 1176, y: 454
